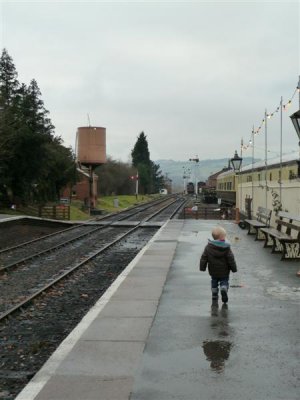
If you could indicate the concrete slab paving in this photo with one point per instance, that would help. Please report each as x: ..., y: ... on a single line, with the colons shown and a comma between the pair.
x: 130, y: 308
x: 246, y: 350
x: 155, y: 335
x: 105, y: 359
x: 86, y: 388
x: 118, y: 329
x: 99, y: 358
x: 139, y: 289
x: 152, y: 224
x: 7, y: 217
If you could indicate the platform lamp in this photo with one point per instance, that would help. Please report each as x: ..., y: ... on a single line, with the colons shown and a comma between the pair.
x: 236, y: 162
x: 296, y: 122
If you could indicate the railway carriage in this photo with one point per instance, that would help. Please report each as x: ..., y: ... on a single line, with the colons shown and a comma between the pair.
x: 226, y: 188
x: 274, y: 186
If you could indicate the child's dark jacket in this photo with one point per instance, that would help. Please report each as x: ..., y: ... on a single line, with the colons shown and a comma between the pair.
x: 219, y: 258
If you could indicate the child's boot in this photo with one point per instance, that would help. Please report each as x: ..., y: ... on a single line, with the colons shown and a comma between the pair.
x: 215, y: 294
x: 224, y: 294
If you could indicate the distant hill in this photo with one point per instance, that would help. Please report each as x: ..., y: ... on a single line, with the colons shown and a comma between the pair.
x: 175, y: 169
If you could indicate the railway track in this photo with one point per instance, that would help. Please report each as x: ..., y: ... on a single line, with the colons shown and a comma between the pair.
x: 47, y: 267
x: 30, y: 335
x: 36, y: 325
x: 14, y: 256
x: 125, y: 214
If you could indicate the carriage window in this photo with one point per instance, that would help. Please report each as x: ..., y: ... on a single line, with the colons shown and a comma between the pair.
x: 258, y: 177
x: 249, y: 178
x: 270, y: 176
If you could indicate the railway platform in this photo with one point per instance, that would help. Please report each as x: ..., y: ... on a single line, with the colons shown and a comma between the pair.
x: 154, y: 335
x: 8, y: 217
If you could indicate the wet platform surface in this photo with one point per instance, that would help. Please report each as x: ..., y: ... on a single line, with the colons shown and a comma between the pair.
x: 9, y: 217
x: 154, y: 334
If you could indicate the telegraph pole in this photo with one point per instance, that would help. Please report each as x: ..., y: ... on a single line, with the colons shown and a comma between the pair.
x: 196, y: 160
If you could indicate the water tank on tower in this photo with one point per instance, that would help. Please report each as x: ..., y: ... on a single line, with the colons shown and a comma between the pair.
x: 90, y: 153
x: 91, y: 146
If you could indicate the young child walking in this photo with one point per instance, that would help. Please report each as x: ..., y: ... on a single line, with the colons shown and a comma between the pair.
x: 220, y: 260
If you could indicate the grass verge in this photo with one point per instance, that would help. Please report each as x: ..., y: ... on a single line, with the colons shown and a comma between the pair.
x: 108, y: 204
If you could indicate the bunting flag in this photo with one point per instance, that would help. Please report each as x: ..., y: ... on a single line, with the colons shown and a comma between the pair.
x: 269, y: 116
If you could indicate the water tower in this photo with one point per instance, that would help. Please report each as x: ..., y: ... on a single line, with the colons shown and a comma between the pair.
x: 90, y: 153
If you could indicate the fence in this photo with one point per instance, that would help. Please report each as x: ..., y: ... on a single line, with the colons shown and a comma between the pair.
x: 61, y: 212
x: 209, y: 213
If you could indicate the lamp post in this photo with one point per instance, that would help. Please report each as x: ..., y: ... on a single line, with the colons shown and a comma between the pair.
x: 137, y: 185
x: 296, y: 122
x: 296, y: 118
x: 236, y: 162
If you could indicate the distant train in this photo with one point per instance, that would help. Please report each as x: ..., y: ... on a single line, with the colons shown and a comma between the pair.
x: 190, y: 188
x: 163, y: 191
x: 261, y: 185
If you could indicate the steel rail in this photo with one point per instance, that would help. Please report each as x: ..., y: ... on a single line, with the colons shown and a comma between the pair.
x: 12, y: 248
x: 66, y: 273
x: 69, y: 241
x: 141, y: 207
x: 29, y: 299
x: 53, y: 248
x: 164, y: 208
x: 7, y: 249
x: 177, y: 209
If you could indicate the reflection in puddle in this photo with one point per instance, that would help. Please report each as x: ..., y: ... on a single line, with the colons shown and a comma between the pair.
x: 220, y: 323
x: 217, y: 352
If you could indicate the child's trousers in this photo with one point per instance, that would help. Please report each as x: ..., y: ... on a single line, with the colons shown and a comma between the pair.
x: 215, y: 282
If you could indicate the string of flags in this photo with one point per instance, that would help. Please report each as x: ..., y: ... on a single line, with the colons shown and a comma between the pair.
x: 269, y: 116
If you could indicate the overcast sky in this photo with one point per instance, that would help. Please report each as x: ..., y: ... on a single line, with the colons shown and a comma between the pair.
x: 194, y: 76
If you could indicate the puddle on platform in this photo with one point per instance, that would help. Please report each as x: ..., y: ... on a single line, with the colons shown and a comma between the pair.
x: 219, y: 322
x: 217, y: 352
x: 283, y: 292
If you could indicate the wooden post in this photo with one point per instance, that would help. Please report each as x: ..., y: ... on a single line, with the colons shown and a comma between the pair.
x: 237, y: 215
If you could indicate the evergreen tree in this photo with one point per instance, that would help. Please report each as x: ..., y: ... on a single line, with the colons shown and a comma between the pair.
x: 157, y: 181
x: 32, y: 132
x: 35, y: 112
x: 34, y: 165
x: 140, y: 153
x: 141, y: 161
x: 57, y: 171
x: 9, y: 83
x: 9, y: 86
x: 150, y: 176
